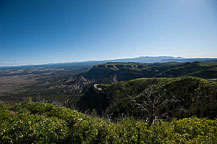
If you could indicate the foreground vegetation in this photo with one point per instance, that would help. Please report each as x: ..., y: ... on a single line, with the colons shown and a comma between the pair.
x: 30, y: 122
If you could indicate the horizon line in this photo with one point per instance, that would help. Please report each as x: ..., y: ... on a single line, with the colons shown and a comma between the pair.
x: 95, y: 60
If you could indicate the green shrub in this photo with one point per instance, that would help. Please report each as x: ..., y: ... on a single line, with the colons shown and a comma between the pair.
x: 46, y: 123
x: 33, y: 129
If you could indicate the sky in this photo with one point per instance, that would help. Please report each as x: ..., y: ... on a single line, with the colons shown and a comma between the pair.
x: 52, y: 31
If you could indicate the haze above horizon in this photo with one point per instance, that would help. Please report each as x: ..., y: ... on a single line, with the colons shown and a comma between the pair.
x: 52, y: 31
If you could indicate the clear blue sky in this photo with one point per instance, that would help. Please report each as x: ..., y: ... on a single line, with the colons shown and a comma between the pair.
x: 49, y: 31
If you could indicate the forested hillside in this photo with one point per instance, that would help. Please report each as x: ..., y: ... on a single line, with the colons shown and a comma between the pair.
x: 151, y: 98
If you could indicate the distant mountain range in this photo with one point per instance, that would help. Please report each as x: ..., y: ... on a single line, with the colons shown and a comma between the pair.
x: 147, y: 59
x: 141, y: 59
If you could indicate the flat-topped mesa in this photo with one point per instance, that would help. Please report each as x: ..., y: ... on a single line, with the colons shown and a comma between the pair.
x: 127, y: 71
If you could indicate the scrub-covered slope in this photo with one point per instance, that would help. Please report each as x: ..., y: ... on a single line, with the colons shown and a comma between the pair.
x: 46, y: 123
